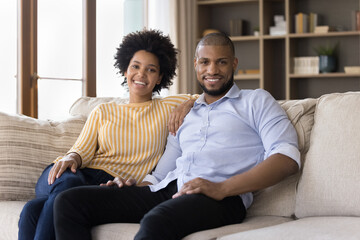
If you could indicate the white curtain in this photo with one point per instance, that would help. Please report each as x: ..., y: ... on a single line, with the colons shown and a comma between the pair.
x: 186, y: 35
x: 178, y: 19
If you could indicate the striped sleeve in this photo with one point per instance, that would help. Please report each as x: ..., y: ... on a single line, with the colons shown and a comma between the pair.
x: 86, y: 143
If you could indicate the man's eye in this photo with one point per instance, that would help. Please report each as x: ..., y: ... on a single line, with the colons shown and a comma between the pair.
x: 223, y: 62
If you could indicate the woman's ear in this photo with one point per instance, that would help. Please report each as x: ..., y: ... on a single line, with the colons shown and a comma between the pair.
x: 160, y: 78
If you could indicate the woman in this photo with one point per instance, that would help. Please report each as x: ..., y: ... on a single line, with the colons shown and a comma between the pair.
x: 121, y: 141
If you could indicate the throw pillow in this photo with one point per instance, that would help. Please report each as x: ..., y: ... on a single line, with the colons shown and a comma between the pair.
x: 27, y: 146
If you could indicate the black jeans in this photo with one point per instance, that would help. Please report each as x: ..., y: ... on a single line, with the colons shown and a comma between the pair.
x: 77, y: 210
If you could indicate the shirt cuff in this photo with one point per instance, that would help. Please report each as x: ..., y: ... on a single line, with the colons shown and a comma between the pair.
x: 150, y: 178
x: 290, y: 151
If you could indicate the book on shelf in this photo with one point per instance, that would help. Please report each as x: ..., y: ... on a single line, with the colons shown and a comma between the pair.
x: 355, y: 20
x: 301, y: 23
x: 313, y: 21
x: 306, y: 65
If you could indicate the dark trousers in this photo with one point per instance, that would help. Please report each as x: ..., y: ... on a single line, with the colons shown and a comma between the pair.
x: 77, y: 210
x: 36, y: 218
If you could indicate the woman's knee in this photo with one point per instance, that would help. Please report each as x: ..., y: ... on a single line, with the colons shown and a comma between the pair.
x: 31, y: 211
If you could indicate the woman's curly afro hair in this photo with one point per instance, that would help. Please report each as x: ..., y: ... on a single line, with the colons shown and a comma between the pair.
x: 152, y: 41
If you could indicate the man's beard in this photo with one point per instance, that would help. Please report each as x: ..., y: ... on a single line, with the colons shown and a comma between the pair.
x: 222, y: 90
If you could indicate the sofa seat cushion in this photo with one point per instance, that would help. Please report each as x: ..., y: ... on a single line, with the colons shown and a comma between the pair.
x: 329, y: 185
x: 27, y: 146
x: 126, y: 231
x: 314, y: 228
x: 9, y: 218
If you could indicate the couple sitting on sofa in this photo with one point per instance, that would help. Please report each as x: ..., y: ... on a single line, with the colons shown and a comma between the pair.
x: 232, y: 142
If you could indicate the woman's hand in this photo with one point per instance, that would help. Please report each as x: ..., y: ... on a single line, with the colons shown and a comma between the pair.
x: 177, y: 116
x: 120, y: 182
x: 72, y: 161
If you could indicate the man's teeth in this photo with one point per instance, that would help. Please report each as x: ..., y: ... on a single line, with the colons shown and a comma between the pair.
x: 212, y: 80
x: 138, y: 82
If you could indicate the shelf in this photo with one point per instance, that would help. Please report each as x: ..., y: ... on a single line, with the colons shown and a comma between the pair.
x: 325, y: 75
x: 239, y: 77
x: 273, y: 55
x: 210, y: 2
x: 329, y: 34
x: 244, y: 38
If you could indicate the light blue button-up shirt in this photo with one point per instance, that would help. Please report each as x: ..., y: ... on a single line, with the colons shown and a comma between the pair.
x: 226, y: 138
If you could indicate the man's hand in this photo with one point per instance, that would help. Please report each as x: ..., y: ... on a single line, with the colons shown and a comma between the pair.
x: 72, y: 161
x: 177, y: 116
x: 199, y: 185
x: 120, y: 182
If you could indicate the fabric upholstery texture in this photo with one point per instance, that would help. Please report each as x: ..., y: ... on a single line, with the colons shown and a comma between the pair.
x: 314, y: 228
x: 329, y: 185
x: 279, y: 200
x: 27, y: 146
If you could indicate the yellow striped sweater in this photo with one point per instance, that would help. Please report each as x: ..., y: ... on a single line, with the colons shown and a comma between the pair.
x: 126, y: 140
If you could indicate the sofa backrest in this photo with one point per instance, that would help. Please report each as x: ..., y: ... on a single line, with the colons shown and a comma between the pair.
x: 279, y: 200
x: 329, y: 185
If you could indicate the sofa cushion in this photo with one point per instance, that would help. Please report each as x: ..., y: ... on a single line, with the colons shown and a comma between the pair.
x: 329, y: 185
x: 9, y: 218
x: 84, y: 105
x: 127, y: 231
x: 279, y: 200
x: 314, y: 228
x: 27, y: 146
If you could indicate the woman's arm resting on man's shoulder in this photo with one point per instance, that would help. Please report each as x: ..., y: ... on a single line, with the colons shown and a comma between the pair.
x: 177, y: 116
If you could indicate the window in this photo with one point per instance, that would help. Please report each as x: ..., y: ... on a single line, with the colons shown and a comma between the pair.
x: 59, y: 56
x: 8, y: 56
x: 64, y: 53
x: 115, y: 18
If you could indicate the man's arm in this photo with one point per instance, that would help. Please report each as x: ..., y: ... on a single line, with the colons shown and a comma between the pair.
x: 269, y: 172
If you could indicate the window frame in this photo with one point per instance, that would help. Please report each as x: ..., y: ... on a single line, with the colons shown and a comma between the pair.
x: 27, y: 77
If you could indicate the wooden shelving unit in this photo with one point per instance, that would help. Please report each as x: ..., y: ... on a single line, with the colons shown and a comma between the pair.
x: 273, y: 55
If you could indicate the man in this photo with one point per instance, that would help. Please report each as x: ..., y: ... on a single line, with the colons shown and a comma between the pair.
x: 232, y: 142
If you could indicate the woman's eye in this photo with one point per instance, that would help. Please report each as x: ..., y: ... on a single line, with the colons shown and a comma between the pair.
x: 135, y: 66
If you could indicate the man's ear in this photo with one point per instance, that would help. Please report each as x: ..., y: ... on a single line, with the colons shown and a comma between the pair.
x: 235, y: 63
x: 195, y: 62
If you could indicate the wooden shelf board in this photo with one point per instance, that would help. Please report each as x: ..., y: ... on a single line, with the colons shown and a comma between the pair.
x: 209, y: 2
x: 324, y: 75
x: 247, y: 77
x: 329, y: 34
x: 244, y: 38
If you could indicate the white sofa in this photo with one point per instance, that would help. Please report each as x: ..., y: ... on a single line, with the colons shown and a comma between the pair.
x: 320, y: 202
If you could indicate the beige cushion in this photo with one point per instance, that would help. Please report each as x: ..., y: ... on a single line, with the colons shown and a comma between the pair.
x: 279, y: 200
x: 27, y: 146
x: 9, y: 218
x: 315, y: 228
x: 84, y: 105
x: 330, y: 181
x: 127, y: 231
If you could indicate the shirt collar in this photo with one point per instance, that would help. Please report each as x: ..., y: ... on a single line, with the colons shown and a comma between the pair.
x: 234, y: 92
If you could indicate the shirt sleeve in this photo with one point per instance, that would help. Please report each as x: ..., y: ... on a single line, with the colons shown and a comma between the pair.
x: 86, y: 143
x: 167, y: 162
x: 277, y: 133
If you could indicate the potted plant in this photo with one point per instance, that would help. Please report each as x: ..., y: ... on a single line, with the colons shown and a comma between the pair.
x: 327, y: 58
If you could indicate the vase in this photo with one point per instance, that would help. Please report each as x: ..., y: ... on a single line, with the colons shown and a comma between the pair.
x: 327, y: 64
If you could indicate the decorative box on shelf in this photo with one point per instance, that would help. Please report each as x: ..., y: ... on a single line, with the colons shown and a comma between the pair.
x: 306, y: 65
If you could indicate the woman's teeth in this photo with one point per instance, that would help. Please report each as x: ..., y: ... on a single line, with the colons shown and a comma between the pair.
x: 141, y: 83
